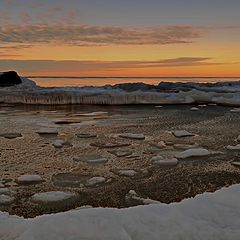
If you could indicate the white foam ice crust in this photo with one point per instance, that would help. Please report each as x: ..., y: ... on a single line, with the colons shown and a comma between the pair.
x: 28, y: 92
x: 212, y: 216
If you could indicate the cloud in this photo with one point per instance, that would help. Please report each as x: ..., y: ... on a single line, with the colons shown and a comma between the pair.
x: 78, y: 66
x: 86, y: 35
x: 5, y: 55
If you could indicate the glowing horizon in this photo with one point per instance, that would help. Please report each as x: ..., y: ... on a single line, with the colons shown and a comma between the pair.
x: 137, y: 39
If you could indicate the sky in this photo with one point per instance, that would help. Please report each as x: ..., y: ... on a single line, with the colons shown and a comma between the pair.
x: 120, y: 38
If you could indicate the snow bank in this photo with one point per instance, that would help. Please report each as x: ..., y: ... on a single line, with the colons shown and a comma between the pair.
x: 176, y: 93
x: 207, y: 216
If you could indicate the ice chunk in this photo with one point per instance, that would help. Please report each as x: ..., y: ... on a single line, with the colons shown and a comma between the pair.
x: 91, y: 158
x: 235, y: 110
x: 132, y: 195
x: 159, y: 160
x: 54, y: 196
x: 194, y: 109
x: 95, y: 181
x: 136, y: 136
x: 46, y: 131
x: 6, y: 199
x: 194, y: 152
x: 127, y: 173
x: 182, y: 133
x: 27, y: 179
x: 230, y: 147
x: 236, y: 164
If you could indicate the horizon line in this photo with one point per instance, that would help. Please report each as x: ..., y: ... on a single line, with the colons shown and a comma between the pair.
x: 130, y: 77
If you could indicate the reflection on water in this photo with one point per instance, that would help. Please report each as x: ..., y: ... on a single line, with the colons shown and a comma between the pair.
x: 101, y: 81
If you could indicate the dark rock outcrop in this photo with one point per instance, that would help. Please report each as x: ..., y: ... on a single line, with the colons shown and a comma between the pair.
x: 10, y: 78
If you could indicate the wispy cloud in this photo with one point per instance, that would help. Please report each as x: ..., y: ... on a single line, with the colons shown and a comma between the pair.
x: 85, y: 35
x: 4, y: 55
x: 78, y: 66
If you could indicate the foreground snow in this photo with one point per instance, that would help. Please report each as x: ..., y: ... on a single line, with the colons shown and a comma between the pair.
x: 207, y: 216
x: 165, y: 93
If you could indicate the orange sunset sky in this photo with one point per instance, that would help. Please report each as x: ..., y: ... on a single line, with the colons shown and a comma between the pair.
x: 127, y: 38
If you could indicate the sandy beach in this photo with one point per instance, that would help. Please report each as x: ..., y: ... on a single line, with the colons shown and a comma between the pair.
x: 120, y: 163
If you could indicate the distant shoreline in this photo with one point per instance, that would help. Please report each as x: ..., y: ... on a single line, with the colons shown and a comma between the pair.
x: 125, y: 77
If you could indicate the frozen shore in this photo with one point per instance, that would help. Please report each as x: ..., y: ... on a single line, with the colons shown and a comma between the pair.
x: 207, y: 216
x: 28, y: 92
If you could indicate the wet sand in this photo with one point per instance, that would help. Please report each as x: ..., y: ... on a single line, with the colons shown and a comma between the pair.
x: 214, y: 127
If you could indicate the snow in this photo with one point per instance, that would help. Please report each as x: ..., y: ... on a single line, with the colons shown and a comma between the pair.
x: 212, y: 216
x: 182, y: 133
x: 194, y: 152
x: 194, y: 93
x: 54, y: 196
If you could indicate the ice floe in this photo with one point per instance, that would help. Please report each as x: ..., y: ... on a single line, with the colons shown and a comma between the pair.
x: 91, y: 158
x: 127, y: 173
x: 54, y: 196
x: 159, y: 160
x: 11, y: 135
x: 29, y: 179
x: 236, y: 164
x: 94, y: 181
x: 132, y: 195
x: 238, y: 138
x: 47, y: 131
x: 59, y: 143
x: 235, y: 110
x: 136, y: 136
x: 6, y: 199
x: 236, y: 147
x: 194, y: 109
x: 184, y: 146
x: 182, y: 133
x: 194, y: 152
x: 121, y: 153
x: 7, y: 196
